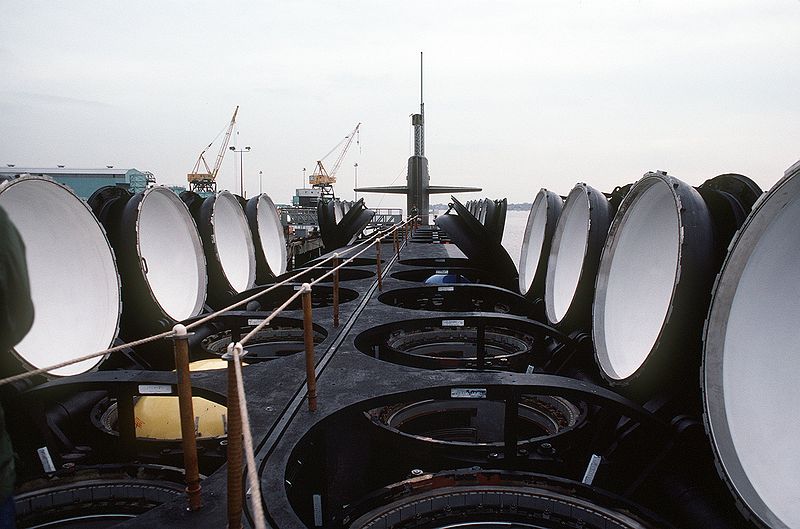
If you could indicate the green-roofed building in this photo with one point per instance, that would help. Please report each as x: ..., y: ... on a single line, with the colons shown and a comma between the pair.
x: 84, y: 182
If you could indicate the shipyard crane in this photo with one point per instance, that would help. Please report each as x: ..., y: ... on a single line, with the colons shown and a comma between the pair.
x: 323, y: 179
x: 206, y: 182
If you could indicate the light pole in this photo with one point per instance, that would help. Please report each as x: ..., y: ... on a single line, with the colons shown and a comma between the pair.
x: 355, y: 193
x: 260, y: 186
x: 241, y: 167
x: 304, y: 178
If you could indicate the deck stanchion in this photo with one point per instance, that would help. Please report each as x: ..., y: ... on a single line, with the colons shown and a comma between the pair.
x: 336, y: 290
x: 308, y: 339
x: 396, y: 243
x: 378, y: 263
x: 234, y: 449
x: 188, y: 434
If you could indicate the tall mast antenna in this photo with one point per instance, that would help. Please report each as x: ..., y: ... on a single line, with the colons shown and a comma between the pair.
x: 421, y: 102
x: 418, y: 120
x: 418, y: 189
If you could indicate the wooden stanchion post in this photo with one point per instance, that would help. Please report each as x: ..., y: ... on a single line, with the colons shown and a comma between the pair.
x: 336, y: 290
x: 308, y: 339
x: 188, y: 434
x: 234, y: 451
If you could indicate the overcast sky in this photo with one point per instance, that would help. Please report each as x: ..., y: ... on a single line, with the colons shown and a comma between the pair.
x: 519, y: 95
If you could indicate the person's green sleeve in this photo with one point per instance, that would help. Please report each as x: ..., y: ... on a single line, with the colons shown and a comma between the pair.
x: 16, y: 307
x: 16, y: 318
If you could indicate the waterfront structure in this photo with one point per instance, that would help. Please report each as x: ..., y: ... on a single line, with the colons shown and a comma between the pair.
x: 84, y: 182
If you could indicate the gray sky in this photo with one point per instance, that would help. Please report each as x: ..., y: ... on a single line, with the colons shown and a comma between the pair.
x: 519, y: 95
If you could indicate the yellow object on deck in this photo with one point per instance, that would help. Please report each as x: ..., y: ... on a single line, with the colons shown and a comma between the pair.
x: 209, y: 364
x: 158, y: 417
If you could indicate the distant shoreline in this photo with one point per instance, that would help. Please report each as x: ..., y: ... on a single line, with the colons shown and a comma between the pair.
x: 524, y: 206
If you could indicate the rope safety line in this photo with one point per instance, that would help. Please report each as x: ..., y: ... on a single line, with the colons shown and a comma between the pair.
x: 275, y: 313
x: 170, y: 333
x: 306, y: 287
x: 256, y: 295
x: 42, y: 370
x: 269, y: 289
x: 252, y: 477
x: 166, y: 334
x: 334, y: 270
x: 237, y: 350
x: 352, y: 257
